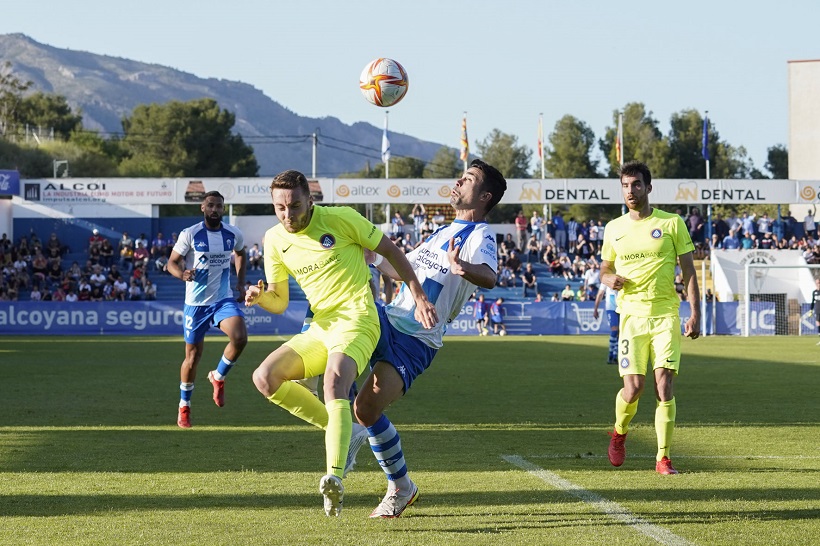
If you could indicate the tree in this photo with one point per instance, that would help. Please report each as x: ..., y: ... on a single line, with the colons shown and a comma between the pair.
x: 11, y: 94
x: 184, y: 139
x: 445, y: 164
x: 642, y: 141
x: 49, y: 111
x: 686, y: 143
x: 503, y: 152
x: 777, y: 162
x: 569, y: 153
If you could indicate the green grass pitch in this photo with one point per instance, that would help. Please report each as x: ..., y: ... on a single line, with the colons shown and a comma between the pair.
x: 506, y: 439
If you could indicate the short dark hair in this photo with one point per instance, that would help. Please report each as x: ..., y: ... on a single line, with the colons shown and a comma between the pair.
x: 492, y: 182
x: 290, y: 180
x: 211, y: 194
x: 634, y: 168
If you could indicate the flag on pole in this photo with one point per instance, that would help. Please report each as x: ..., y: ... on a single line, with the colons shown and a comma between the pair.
x: 619, y: 140
x: 540, y: 138
x: 385, y: 143
x: 705, y: 148
x: 465, y: 144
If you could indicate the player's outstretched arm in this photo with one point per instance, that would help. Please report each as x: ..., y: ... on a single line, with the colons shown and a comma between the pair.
x: 273, y: 297
x: 478, y: 274
x: 240, y: 263
x: 690, y: 281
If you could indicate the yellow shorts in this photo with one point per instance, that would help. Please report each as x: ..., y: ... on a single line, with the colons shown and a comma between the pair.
x: 643, y: 340
x: 355, y: 337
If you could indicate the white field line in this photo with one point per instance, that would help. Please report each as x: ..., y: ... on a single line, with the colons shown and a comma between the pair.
x: 647, y: 456
x: 611, y: 509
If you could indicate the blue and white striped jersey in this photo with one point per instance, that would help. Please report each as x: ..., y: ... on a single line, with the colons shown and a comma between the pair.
x: 446, y: 291
x: 209, y: 253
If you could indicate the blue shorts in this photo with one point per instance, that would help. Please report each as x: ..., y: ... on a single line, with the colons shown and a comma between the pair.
x: 614, y: 319
x: 198, y: 318
x: 407, y: 354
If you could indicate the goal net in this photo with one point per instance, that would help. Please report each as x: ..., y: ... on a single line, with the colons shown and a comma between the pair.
x: 777, y: 298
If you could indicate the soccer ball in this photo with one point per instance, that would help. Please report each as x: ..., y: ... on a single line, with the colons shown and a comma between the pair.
x: 502, y: 333
x: 383, y: 82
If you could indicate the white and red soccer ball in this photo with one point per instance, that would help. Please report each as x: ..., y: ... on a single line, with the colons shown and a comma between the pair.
x: 383, y: 82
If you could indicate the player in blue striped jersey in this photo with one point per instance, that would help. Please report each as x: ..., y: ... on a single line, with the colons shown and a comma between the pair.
x: 450, y: 263
x: 202, y: 258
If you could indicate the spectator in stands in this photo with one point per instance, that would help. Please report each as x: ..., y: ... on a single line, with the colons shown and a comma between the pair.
x: 555, y: 297
x: 764, y: 224
x: 556, y: 270
x: 407, y: 243
x: 134, y: 291
x: 23, y: 250
x: 106, y: 254
x: 746, y: 243
x: 593, y: 237
x: 54, y: 249
x: 35, y: 294
x: 96, y: 240
x: 582, y: 247
x: 566, y: 266
x: 419, y: 218
x: 5, y: 244
x: 537, y: 226
x: 533, y: 249
x: 20, y: 264
x: 438, y: 219
x: 530, y: 280
x: 504, y: 249
x: 715, y: 243
x: 600, y: 242
x: 567, y: 294
x: 521, y: 225
x: 592, y: 280
x: 120, y: 289
x: 680, y: 289
x: 141, y: 239
x: 159, y: 246
x: 579, y: 266
x: 97, y: 293
x: 397, y: 225
x: 55, y: 275
x: 766, y: 242
x: 171, y: 243
x: 560, y: 230
x: 141, y: 255
x: 514, y: 263
x: 150, y: 290
x: 58, y: 294
x: 126, y: 251
x: 720, y: 227
x: 97, y: 278
x: 809, y: 225
x: 39, y: 267
x: 71, y: 297
x: 506, y: 277
x: 731, y: 242
x: 254, y: 257
x: 695, y: 224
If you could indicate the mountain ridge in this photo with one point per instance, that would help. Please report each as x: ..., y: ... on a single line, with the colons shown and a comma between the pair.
x: 104, y: 89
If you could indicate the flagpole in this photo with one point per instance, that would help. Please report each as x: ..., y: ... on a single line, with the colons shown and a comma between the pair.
x: 465, y: 143
x: 386, y: 159
x: 541, y: 144
x: 620, y: 137
x: 705, y: 150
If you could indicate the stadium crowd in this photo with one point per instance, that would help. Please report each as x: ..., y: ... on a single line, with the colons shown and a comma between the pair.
x: 550, y: 248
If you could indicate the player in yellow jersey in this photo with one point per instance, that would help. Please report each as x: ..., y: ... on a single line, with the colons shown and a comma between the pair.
x: 323, y: 249
x: 639, y: 255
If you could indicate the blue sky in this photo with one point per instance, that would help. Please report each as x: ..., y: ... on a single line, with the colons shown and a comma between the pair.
x: 503, y: 62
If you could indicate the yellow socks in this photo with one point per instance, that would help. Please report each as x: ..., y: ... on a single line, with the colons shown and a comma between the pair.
x: 301, y: 403
x: 664, y: 426
x: 623, y: 412
x: 337, y: 435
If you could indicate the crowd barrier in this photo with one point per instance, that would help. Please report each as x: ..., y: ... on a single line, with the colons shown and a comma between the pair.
x: 521, y: 318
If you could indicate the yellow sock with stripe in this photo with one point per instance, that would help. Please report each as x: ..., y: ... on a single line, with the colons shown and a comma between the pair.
x: 665, y: 414
x: 337, y: 435
x: 624, y: 412
x: 301, y: 403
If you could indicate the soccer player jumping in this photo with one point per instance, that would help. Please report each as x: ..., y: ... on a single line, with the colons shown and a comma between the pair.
x: 450, y: 263
x: 638, y: 259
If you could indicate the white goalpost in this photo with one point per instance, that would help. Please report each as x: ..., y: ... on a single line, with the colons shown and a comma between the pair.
x: 771, y: 303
